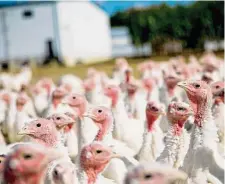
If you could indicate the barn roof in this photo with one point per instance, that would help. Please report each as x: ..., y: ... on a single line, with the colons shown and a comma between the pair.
x: 5, y: 4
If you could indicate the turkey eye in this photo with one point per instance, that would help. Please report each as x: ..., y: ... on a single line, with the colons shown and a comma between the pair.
x: 148, y: 176
x: 217, y: 87
x: 27, y: 156
x: 58, y: 118
x: 56, y: 172
x: 197, y: 85
x: 181, y: 109
x: 98, y: 151
x: 99, y: 111
x: 74, y: 97
x: 38, y: 125
x: 154, y: 109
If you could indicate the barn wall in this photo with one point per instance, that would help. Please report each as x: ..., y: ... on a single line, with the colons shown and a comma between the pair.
x: 84, y: 32
x: 27, y: 36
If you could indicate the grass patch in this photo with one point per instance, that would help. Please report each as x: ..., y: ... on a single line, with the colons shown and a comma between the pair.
x: 55, y: 71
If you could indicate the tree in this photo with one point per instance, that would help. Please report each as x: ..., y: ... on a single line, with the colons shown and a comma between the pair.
x: 190, y: 24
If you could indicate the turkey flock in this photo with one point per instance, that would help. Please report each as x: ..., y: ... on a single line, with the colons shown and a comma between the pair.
x: 165, y: 127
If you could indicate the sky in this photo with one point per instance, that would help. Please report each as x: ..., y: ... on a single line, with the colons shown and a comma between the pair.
x: 111, y: 7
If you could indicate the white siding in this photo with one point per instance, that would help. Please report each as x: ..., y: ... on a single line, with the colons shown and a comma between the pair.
x: 28, y: 36
x: 84, y: 31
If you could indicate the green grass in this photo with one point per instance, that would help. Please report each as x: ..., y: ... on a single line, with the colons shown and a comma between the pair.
x: 55, y: 71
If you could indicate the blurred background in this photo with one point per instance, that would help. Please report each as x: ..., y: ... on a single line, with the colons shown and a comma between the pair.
x: 80, y: 33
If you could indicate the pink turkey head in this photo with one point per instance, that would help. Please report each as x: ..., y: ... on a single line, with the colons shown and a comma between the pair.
x: 89, y: 84
x: 27, y: 163
x: 132, y: 89
x: 77, y: 102
x: 149, y: 83
x: 59, y: 92
x: 128, y: 74
x: 178, y: 113
x: 42, y: 130
x: 94, y: 158
x: 153, y: 173
x: 64, y: 172
x: 62, y: 120
x: 57, y: 96
x: 21, y: 100
x: 47, y: 84
x: 103, y: 118
x: 6, y: 98
x: 153, y: 111
x: 67, y: 87
x: 207, y: 77
x: 200, y: 97
x: 121, y: 63
x: 112, y: 91
x: 171, y: 81
x: 218, y: 91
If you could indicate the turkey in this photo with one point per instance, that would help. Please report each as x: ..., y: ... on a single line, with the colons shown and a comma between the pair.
x: 69, y: 134
x: 176, y: 140
x: 86, y: 129
x: 55, y: 100
x: 73, y: 81
x: 93, y: 160
x: 153, y: 137
x: 203, y: 162
x: 25, y: 112
x: 217, y: 110
x: 47, y: 133
x: 27, y: 163
x: 103, y: 118
x: 154, y: 173
x: 41, y: 93
x: 132, y: 136
x: 64, y: 173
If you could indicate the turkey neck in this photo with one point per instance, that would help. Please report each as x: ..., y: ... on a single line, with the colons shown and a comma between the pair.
x: 80, y: 134
x: 203, y: 123
x: 177, y: 127
x: 105, y: 128
x: 171, y: 90
x: 151, y: 121
x: 56, y: 101
x: 34, y: 178
x: 92, y: 173
x: 115, y: 100
x: 49, y: 141
x: 91, y: 170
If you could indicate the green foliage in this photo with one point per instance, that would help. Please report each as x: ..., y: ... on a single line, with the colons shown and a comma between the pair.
x: 189, y: 24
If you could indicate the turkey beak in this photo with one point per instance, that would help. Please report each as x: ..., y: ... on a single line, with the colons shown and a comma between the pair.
x: 68, y: 121
x: 24, y: 131
x: 183, y: 84
x: 115, y: 155
x: 89, y: 114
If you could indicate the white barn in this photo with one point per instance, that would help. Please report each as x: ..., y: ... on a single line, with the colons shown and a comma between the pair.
x: 76, y: 30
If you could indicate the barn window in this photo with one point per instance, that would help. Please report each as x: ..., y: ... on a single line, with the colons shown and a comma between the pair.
x: 27, y: 14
